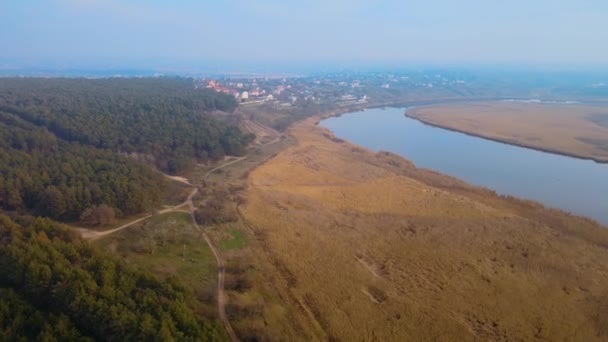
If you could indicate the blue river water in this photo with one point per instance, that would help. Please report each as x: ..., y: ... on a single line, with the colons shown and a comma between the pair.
x: 574, y: 185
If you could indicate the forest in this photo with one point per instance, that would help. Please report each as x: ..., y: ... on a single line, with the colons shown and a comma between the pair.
x: 87, y: 151
x: 68, y: 146
x: 165, y: 121
x: 54, y: 286
x: 47, y: 176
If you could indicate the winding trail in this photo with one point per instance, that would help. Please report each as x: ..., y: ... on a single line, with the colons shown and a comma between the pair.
x: 221, y: 302
x: 222, y: 166
x: 89, y: 234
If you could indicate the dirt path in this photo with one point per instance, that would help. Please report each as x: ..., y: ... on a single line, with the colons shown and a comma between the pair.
x: 179, y: 179
x: 223, y: 165
x: 89, y: 234
x: 221, y: 303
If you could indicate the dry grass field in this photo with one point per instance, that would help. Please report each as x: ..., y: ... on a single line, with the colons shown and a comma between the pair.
x: 572, y: 129
x: 353, y: 245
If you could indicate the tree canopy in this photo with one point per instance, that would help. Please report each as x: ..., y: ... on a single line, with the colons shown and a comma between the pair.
x: 72, y: 145
x: 47, y: 176
x: 165, y: 119
x: 54, y: 284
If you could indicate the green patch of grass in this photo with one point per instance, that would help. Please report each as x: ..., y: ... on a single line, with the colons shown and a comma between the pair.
x: 236, y: 240
x: 169, y: 245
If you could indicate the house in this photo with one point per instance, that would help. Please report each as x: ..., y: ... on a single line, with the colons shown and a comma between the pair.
x: 279, y: 89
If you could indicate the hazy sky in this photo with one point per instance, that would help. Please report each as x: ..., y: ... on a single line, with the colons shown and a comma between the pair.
x: 435, y: 31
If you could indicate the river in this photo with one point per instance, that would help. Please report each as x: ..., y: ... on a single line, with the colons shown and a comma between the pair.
x: 574, y: 185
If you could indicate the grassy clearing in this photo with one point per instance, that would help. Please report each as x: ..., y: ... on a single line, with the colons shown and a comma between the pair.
x: 235, y: 239
x: 169, y: 245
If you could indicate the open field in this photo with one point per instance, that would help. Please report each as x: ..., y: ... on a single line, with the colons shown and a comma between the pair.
x: 572, y: 129
x: 349, y: 245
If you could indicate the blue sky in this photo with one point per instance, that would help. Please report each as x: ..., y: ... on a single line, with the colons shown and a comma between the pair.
x: 430, y: 31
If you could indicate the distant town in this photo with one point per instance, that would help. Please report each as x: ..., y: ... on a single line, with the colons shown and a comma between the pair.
x: 333, y: 89
x: 288, y: 92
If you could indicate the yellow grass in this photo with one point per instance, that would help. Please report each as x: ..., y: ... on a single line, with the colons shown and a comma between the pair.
x: 573, y: 129
x: 361, y: 246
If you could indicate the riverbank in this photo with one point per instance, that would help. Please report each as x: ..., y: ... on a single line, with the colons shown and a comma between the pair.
x: 363, y: 244
x: 532, y: 126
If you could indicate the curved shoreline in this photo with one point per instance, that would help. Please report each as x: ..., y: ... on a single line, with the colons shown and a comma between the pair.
x: 358, y: 108
x: 319, y: 118
x: 506, y: 142
x: 514, y: 247
x: 398, y: 104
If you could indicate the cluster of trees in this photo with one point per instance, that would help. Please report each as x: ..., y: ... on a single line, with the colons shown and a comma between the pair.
x: 218, y: 208
x: 98, y: 215
x: 20, y: 319
x: 165, y: 118
x: 42, y: 174
x: 53, y: 284
x: 66, y: 144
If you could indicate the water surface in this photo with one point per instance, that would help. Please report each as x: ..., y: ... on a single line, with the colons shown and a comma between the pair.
x: 574, y: 185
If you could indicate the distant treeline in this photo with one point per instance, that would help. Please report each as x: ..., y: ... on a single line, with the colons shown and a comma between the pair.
x: 55, y: 287
x: 165, y: 118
